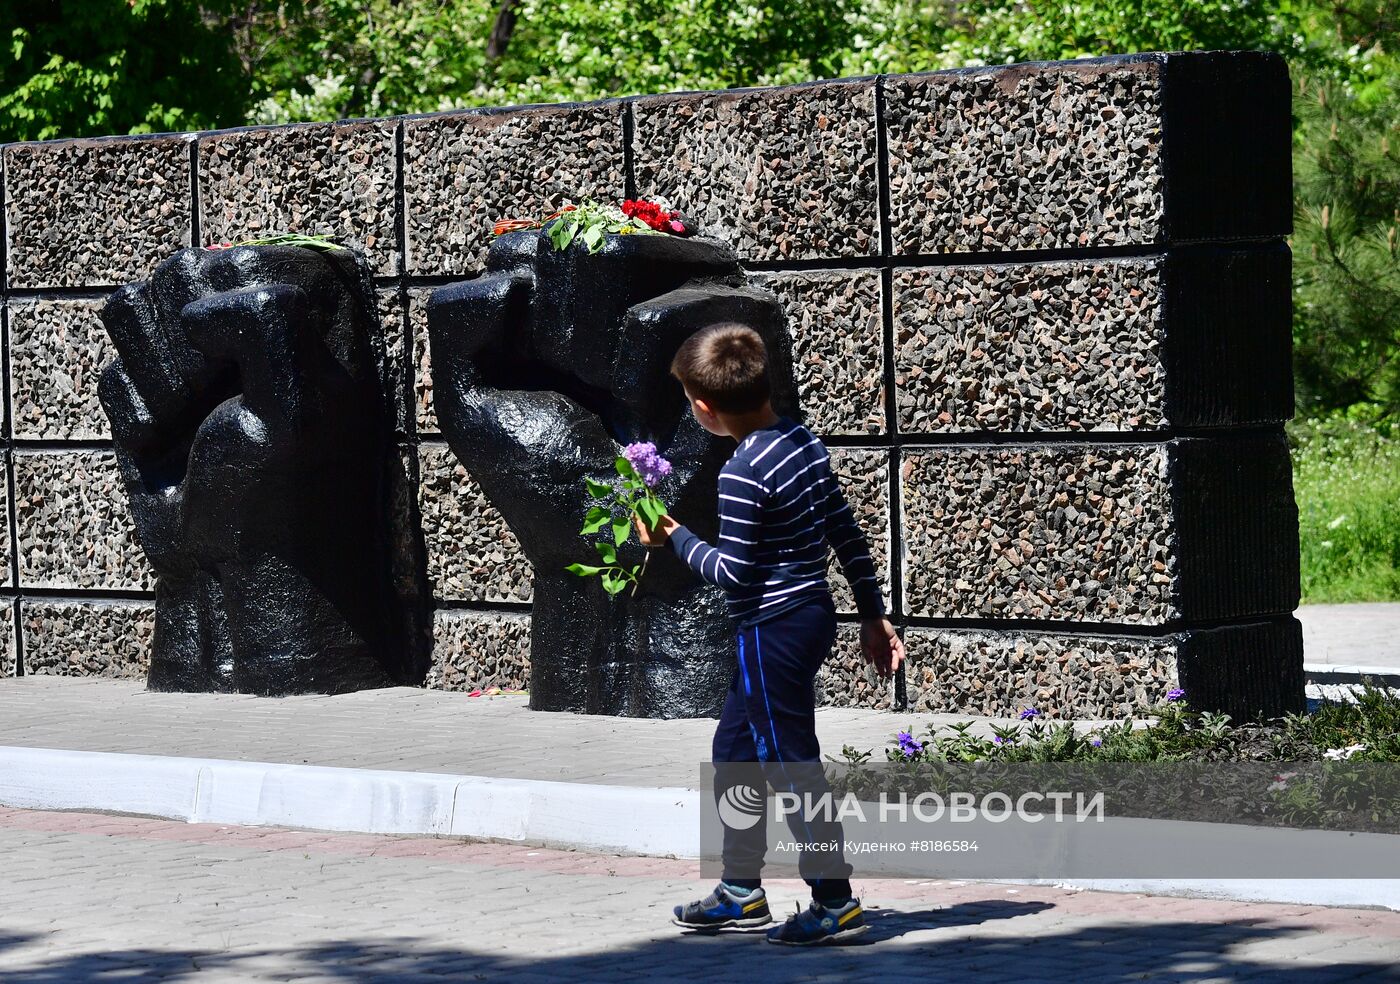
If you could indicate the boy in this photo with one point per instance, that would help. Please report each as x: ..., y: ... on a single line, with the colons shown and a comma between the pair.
x: 780, y: 510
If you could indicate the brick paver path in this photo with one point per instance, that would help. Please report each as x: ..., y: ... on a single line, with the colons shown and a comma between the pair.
x: 86, y: 898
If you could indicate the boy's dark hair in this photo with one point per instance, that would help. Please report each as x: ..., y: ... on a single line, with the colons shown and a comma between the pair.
x: 726, y: 365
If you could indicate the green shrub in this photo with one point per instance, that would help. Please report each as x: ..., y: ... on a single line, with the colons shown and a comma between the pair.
x: 1346, y: 476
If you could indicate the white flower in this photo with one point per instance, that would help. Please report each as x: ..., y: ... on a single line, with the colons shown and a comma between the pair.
x: 1341, y: 754
x: 1281, y: 781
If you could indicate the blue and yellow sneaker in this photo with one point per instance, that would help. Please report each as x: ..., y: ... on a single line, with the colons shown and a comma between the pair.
x: 725, y: 908
x: 818, y: 924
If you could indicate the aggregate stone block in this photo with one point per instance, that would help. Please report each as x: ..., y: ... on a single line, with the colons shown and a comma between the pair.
x: 6, y: 580
x: 834, y: 319
x: 391, y: 317
x: 1026, y: 157
x: 95, y: 212
x: 783, y: 173
x: 421, y: 360
x: 1241, y: 670
x: 465, y: 171
x: 1246, y: 671
x: 332, y: 179
x: 8, y: 663
x: 1095, y: 153
x: 847, y: 680
x: 864, y: 477
x: 1228, y: 350
x: 74, y: 526
x: 1016, y: 347
x: 90, y: 639
x: 472, y: 553
x: 477, y: 650
x: 1197, y: 338
x: 1000, y: 674
x: 58, y: 349
x: 1229, y: 148
x: 1138, y: 534
x: 1237, y: 527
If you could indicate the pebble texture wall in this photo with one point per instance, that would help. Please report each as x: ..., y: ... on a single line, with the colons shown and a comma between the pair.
x: 1039, y: 312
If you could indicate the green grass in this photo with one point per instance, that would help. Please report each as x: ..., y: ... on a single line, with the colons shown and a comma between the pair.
x: 1346, y: 475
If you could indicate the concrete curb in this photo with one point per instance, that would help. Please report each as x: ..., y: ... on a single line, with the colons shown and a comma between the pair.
x: 1344, y: 673
x: 657, y: 822
x: 619, y: 819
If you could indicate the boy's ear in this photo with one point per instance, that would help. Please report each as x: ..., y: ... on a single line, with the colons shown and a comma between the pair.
x: 704, y: 406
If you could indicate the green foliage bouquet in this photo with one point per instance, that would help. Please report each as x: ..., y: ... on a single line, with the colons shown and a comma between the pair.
x: 641, y: 468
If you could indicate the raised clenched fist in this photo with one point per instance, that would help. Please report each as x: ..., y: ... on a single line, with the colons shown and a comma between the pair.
x: 544, y: 368
x: 248, y: 410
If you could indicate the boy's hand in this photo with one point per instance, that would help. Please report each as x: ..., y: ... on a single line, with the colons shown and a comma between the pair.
x: 655, y: 537
x: 881, y: 645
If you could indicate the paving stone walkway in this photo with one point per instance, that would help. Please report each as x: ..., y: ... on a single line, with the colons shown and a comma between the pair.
x: 1352, y: 635
x: 87, y: 898
x: 400, y: 729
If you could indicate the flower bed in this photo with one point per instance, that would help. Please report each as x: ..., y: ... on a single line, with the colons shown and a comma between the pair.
x: 1365, y: 731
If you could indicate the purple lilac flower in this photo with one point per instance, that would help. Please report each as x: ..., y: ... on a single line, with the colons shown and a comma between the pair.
x: 648, y: 462
x: 908, y: 745
x: 1176, y: 694
x: 1029, y: 713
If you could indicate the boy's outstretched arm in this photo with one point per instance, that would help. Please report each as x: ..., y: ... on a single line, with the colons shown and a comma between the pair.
x: 878, y: 640
x: 731, y: 563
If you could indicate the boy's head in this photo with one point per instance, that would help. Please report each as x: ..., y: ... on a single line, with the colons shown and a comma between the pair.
x: 724, y: 370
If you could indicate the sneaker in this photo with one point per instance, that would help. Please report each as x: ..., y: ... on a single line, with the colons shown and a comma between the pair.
x: 818, y: 924
x: 723, y: 909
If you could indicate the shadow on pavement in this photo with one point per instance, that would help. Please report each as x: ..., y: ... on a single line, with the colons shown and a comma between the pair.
x: 923, y: 946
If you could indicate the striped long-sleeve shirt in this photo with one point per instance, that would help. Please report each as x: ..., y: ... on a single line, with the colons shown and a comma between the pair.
x: 780, y: 511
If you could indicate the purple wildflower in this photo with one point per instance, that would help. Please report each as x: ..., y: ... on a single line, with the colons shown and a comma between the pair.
x: 648, y: 462
x: 998, y: 740
x: 1029, y: 713
x: 1177, y: 694
x: 1096, y: 742
x: 908, y: 745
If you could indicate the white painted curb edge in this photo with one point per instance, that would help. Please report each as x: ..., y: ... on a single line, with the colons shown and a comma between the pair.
x: 619, y: 819
x: 642, y: 820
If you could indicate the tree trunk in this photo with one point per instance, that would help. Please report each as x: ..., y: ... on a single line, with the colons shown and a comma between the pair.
x: 501, y: 31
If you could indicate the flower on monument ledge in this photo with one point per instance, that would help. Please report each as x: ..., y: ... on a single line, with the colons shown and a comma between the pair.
x: 1029, y: 713
x: 909, y: 746
x: 1175, y: 694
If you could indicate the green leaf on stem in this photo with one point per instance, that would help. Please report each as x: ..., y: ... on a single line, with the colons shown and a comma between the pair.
x: 598, y: 490
x: 596, y: 519
x: 582, y: 570
x: 652, y: 509
x: 620, y: 528
x: 624, y: 468
x: 607, y: 551
x: 612, y: 585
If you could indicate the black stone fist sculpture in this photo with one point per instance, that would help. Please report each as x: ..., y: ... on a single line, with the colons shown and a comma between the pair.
x: 543, y: 369
x: 249, y: 414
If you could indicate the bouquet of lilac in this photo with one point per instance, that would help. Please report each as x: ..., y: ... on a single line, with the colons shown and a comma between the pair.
x: 642, y: 469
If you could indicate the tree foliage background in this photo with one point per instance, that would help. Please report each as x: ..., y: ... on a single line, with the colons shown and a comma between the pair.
x: 84, y: 67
